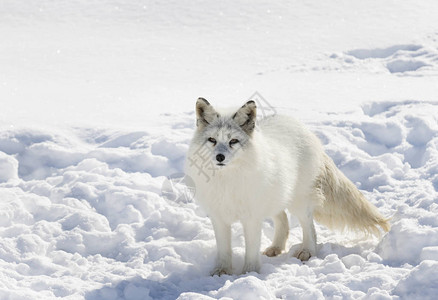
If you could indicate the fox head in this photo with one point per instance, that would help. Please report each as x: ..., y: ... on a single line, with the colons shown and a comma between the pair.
x: 223, y: 136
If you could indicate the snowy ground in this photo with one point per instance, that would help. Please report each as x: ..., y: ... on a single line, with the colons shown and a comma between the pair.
x: 96, y: 111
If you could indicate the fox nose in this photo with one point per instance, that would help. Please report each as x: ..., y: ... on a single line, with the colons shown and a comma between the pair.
x: 220, y: 157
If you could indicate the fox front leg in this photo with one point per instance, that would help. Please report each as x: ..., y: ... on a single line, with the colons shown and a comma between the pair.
x: 222, y: 232
x: 252, y: 231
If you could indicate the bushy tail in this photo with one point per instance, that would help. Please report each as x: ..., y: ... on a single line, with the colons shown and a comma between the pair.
x: 343, y: 205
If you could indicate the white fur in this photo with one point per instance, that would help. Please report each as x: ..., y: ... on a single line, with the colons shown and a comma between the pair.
x: 280, y: 166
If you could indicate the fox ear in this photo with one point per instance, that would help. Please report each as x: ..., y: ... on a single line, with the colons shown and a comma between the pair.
x: 246, y: 117
x: 205, y: 113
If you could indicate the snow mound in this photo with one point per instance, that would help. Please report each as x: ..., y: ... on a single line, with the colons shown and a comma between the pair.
x: 382, y: 52
x: 8, y: 167
x: 420, y: 282
x: 402, y: 60
x: 405, y: 65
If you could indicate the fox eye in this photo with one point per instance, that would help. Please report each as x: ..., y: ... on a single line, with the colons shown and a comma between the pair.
x: 212, y: 140
x: 233, y: 141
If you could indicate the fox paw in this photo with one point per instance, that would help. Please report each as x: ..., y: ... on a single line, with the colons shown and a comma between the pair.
x: 272, y: 251
x: 221, y: 271
x: 251, y: 267
x: 303, y: 254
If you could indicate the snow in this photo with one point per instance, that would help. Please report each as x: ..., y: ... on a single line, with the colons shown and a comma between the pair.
x: 96, y: 116
x: 9, y: 167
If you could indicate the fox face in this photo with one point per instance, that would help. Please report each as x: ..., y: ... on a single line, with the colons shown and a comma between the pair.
x: 224, y: 137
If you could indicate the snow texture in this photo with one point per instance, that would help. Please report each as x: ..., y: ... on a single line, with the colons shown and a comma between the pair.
x: 97, y: 115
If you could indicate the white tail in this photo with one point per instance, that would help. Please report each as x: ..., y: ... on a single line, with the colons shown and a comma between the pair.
x: 343, y: 205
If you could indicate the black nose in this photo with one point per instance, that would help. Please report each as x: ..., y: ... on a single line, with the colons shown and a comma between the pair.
x: 220, y: 157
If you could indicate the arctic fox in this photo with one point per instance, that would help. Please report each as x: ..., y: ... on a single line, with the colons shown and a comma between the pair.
x: 246, y: 172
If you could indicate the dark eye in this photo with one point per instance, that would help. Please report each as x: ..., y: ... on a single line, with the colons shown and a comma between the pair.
x: 233, y: 141
x: 212, y: 140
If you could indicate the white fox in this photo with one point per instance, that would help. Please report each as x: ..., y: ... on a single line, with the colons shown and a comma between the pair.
x: 246, y: 172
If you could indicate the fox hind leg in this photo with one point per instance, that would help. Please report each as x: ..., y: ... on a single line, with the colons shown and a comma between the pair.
x: 281, y: 225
